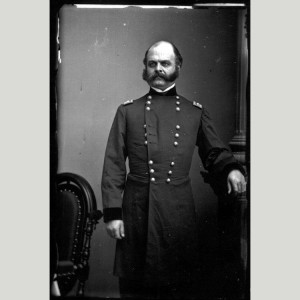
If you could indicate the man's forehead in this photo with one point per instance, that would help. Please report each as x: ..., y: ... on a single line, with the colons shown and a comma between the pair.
x: 161, y: 51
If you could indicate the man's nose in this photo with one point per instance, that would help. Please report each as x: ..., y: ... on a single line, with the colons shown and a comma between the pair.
x: 158, y: 67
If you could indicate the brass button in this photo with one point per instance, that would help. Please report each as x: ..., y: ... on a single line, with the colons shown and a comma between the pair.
x: 170, y: 172
x: 177, y: 127
x: 152, y: 179
x: 150, y: 162
x: 152, y: 171
x: 177, y: 97
x: 177, y: 102
x: 175, y: 144
x: 149, y: 97
x: 145, y: 126
x: 148, y: 108
x: 146, y: 142
x: 177, y: 135
x: 172, y: 163
x: 146, y: 134
x: 148, y: 102
x: 168, y: 180
x: 178, y: 108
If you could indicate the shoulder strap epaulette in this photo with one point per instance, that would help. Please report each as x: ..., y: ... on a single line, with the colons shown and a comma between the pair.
x: 128, y: 102
x: 197, y: 104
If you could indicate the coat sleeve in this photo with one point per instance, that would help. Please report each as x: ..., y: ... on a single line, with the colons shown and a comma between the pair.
x: 217, y: 159
x: 114, y: 168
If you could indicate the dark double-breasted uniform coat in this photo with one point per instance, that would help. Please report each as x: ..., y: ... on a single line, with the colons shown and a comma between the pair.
x: 158, y: 134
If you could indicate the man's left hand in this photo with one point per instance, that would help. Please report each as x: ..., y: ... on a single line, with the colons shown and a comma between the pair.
x: 236, y: 182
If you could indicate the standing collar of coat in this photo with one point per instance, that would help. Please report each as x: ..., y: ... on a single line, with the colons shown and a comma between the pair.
x: 171, y: 92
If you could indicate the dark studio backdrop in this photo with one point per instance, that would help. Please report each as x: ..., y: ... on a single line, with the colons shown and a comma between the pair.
x: 101, y: 53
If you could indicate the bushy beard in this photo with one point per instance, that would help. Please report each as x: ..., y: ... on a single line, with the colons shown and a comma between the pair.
x: 168, y: 78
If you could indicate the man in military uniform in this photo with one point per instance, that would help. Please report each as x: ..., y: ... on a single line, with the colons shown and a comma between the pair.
x: 151, y: 210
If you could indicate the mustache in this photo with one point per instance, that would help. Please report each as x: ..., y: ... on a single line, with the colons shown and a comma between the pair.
x: 158, y: 75
x: 171, y: 77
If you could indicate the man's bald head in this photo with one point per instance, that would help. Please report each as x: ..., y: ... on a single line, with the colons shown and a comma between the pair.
x: 165, y: 46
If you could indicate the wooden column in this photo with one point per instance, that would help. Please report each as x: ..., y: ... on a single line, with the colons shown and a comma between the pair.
x: 238, y: 143
x: 234, y: 213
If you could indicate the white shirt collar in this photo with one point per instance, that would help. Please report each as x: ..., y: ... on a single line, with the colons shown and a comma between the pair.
x: 160, y: 91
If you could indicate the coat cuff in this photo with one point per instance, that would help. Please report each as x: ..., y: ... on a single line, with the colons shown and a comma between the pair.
x: 112, y: 213
x: 220, y: 168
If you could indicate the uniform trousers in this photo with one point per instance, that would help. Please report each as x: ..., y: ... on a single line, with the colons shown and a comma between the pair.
x: 135, y: 289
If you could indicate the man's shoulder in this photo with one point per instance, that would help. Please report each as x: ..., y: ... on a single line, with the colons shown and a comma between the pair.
x: 127, y: 102
x: 197, y: 104
x: 191, y: 103
x: 134, y: 101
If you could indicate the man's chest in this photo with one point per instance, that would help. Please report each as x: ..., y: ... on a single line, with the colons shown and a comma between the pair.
x: 162, y: 123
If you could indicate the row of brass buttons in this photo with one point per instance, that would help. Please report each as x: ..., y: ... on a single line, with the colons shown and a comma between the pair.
x: 152, y: 171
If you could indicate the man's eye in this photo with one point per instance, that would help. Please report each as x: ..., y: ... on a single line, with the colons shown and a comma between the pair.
x: 151, y: 64
x: 165, y: 64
